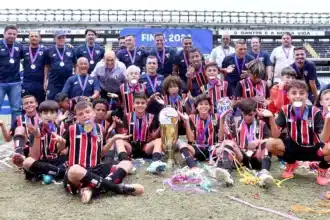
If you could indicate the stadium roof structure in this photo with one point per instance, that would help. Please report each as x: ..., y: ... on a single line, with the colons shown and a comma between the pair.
x: 162, y: 18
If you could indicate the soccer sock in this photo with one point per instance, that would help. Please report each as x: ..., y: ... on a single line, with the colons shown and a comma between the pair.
x: 156, y: 156
x: 266, y: 163
x: 19, y: 143
x: 39, y: 167
x: 187, y: 156
x: 109, y: 156
x: 117, y: 176
x: 123, y: 156
x: 324, y: 165
x: 227, y: 161
x: 94, y: 181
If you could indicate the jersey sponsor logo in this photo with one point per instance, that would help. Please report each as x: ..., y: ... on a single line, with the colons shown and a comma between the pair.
x: 16, y: 48
x: 139, y: 53
x: 97, y: 51
x: 91, y: 81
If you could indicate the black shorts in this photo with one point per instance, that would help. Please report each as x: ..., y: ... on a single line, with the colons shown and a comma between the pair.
x: 294, y: 152
x: 102, y: 170
x: 138, y: 150
x: 201, y: 153
x: 59, y: 162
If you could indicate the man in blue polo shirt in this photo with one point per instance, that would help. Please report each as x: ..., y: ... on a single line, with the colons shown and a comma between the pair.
x: 132, y: 54
x: 263, y: 56
x: 34, y: 66
x: 82, y: 84
x: 60, y: 61
x: 91, y: 50
x: 238, y: 61
x: 11, y: 54
x: 306, y: 70
x: 164, y: 55
x: 181, y: 59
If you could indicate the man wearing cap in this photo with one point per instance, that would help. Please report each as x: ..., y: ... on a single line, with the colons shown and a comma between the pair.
x: 34, y: 65
x: 110, y: 72
x: 132, y: 55
x: 219, y: 53
x: 91, y: 50
x: 11, y: 54
x: 60, y: 61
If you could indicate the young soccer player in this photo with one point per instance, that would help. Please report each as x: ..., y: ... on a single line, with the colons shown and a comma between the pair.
x: 253, y: 86
x: 145, y: 136
x: 202, y: 130
x: 86, y: 145
x: 215, y: 88
x: 304, y: 126
x: 172, y: 93
x: 128, y: 89
x: 250, y: 147
x: 19, y: 132
x: 46, y: 153
x: 278, y: 93
x: 325, y: 102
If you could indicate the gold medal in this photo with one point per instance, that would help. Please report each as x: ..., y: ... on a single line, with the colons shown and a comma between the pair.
x: 88, y: 127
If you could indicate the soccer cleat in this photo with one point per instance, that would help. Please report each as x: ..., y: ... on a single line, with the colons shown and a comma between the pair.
x: 266, y: 179
x: 322, y: 177
x: 223, y: 174
x: 289, y: 170
x: 86, y: 195
x: 157, y: 167
x: 18, y: 159
x: 131, y: 189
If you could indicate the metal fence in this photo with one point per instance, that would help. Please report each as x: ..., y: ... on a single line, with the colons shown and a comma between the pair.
x: 164, y: 16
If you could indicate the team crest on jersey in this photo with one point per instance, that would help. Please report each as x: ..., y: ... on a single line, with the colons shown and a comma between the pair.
x: 158, y: 83
x: 99, y: 138
x: 41, y: 53
x: 139, y: 53
x: 27, y: 53
x: 167, y: 55
x: 76, y: 82
x: 261, y: 59
x: 16, y: 48
x: 3, y: 49
x: 91, y: 81
x: 54, y: 55
x: 310, y: 122
x: 68, y: 54
x: 214, y: 121
x: 97, y: 52
x: 305, y: 72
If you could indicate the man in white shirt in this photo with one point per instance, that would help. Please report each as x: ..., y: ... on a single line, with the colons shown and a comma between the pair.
x: 281, y: 57
x: 219, y: 53
x: 110, y: 72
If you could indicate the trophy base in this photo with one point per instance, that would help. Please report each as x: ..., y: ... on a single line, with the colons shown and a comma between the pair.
x: 171, y: 164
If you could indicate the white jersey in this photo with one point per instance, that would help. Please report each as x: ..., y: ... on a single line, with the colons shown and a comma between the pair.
x: 282, y: 57
x: 219, y: 53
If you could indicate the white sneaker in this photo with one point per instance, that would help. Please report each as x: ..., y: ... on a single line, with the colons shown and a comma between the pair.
x: 133, y: 171
x: 266, y: 179
x: 157, y: 167
x: 223, y: 174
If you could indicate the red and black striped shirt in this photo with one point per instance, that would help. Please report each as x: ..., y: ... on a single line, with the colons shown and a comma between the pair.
x: 177, y: 103
x: 304, y: 131
x: 48, y: 146
x: 85, y: 149
x: 139, y: 128
x: 127, y: 93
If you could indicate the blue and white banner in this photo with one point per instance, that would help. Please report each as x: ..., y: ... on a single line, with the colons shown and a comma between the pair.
x: 202, y: 38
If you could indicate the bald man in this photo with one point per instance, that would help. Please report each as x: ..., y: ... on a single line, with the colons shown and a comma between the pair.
x: 111, y: 73
x: 34, y: 65
x: 219, y: 53
x: 81, y: 84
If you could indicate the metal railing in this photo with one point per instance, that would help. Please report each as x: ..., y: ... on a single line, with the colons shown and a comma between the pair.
x: 164, y: 16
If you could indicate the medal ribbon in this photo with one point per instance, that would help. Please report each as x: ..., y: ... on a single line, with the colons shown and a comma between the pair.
x: 297, y: 113
x: 173, y: 101
x: 83, y: 87
x: 250, y: 131
x: 59, y: 54
x: 130, y: 56
x: 33, y: 58
x: 238, y: 67
x: 82, y: 130
x: 91, y: 53
x: 202, y: 132
x: 11, y: 52
x: 185, y: 59
x: 153, y: 85
x: 138, y: 127
x: 162, y: 61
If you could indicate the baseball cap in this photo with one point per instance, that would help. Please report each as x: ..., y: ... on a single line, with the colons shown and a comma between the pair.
x: 60, y: 33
